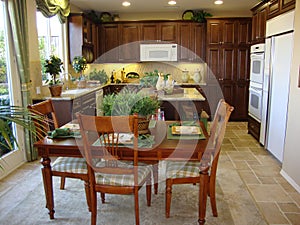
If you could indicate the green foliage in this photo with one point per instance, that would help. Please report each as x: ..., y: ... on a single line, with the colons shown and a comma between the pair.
x: 99, y: 75
x: 20, y: 116
x: 79, y: 64
x: 128, y: 102
x: 150, y: 79
x: 3, y: 71
x: 200, y: 16
x: 53, y: 66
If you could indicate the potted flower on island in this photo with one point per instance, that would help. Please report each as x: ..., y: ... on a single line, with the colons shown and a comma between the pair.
x: 79, y: 64
x: 53, y: 66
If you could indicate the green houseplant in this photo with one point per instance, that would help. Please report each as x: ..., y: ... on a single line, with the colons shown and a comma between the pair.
x: 54, y: 66
x: 99, y: 75
x: 128, y: 102
x: 79, y: 64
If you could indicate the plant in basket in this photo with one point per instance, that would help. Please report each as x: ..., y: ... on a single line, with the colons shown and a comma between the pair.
x: 136, y: 103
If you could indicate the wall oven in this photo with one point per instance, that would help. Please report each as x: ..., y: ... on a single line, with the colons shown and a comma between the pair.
x: 257, y: 56
x: 255, y: 100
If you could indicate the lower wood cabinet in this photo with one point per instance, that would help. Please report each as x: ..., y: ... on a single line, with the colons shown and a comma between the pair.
x: 253, y: 127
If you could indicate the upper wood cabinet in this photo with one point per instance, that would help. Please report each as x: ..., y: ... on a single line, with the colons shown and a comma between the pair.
x: 191, y: 41
x: 127, y: 35
x: 264, y: 11
x: 82, y: 37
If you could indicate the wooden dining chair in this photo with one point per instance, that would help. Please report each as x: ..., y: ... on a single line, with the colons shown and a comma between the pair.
x: 180, y: 172
x: 63, y: 166
x: 102, y: 138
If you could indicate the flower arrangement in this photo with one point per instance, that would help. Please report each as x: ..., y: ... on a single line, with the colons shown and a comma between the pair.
x: 79, y: 64
x: 53, y: 66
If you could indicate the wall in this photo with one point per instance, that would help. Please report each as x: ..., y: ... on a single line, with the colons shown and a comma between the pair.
x: 291, y: 166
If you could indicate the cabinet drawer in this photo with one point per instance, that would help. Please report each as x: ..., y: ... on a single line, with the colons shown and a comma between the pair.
x: 253, y: 127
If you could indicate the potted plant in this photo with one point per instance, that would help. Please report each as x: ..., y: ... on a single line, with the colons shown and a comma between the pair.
x: 53, y: 66
x: 79, y: 64
x: 200, y: 16
x: 128, y: 102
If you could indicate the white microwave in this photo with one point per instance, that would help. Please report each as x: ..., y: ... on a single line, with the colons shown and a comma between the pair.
x: 158, y: 52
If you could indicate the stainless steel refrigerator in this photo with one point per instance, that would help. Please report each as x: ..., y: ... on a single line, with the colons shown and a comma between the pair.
x: 276, y: 84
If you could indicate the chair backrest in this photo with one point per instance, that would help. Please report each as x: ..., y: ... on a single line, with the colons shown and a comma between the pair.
x: 102, y: 136
x: 46, y: 110
x: 217, y: 131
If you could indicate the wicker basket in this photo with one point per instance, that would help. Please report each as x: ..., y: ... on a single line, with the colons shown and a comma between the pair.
x: 143, y: 124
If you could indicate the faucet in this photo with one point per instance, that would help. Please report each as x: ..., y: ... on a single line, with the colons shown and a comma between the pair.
x: 67, y: 78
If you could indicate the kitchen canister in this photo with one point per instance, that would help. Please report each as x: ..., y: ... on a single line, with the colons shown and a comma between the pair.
x: 185, y: 76
x: 197, y: 76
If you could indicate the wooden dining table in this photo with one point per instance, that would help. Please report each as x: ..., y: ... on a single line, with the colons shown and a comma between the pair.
x: 164, y: 148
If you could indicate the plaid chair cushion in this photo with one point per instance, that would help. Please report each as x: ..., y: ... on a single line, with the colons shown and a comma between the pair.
x: 119, y: 179
x: 181, y: 169
x: 70, y: 165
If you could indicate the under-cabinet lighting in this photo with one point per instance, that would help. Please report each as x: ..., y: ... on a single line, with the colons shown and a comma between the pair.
x: 218, y: 2
x: 126, y: 4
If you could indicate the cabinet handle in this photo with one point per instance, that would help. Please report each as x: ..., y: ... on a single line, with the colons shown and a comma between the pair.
x: 220, y: 79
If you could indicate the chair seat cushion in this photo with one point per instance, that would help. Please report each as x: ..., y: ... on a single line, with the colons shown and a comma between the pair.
x: 122, y: 179
x: 181, y: 169
x: 70, y: 165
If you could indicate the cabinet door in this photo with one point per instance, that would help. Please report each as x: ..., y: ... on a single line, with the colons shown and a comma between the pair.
x: 244, y: 32
x: 149, y: 31
x: 198, y: 40
x: 168, y: 31
x: 109, y: 42
x: 262, y: 20
x: 286, y: 5
x: 129, y: 48
x: 273, y: 8
x: 214, y: 32
x: 184, y: 42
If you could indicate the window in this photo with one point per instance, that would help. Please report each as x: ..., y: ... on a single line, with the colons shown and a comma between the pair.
x: 50, y: 36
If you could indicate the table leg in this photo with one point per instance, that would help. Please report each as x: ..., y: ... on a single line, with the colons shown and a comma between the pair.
x: 203, y: 188
x: 47, y: 179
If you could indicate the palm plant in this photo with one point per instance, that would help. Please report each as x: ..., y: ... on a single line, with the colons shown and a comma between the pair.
x: 20, y: 116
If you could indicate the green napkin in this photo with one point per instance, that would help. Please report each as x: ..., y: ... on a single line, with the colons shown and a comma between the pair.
x: 63, y: 133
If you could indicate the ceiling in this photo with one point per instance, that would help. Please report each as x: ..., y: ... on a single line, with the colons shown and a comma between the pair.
x: 148, y: 6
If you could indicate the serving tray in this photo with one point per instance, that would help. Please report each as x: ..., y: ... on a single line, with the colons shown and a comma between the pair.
x: 186, y: 130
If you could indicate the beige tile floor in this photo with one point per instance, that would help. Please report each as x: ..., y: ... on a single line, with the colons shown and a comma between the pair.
x: 277, y: 200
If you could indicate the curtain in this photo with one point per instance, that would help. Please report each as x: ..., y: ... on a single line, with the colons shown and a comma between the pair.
x: 50, y: 8
x: 16, y: 12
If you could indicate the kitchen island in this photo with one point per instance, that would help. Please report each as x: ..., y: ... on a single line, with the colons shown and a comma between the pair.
x: 183, y: 103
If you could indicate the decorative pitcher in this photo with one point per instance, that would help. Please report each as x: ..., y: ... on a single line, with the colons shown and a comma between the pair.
x: 197, y: 76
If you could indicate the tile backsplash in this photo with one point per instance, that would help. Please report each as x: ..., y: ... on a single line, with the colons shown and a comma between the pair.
x: 175, y: 69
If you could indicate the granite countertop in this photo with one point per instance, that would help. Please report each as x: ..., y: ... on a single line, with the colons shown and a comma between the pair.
x: 187, y: 94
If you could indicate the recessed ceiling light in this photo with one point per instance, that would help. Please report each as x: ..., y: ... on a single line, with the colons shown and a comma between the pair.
x: 172, y: 2
x: 126, y: 4
x: 218, y: 2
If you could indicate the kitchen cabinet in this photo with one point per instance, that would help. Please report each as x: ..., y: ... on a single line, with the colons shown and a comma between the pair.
x: 191, y: 40
x: 109, y: 38
x: 259, y: 20
x: 82, y: 37
x: 227, y: 58
x: 129, y: 48
x: 277, y: 7
x: 126, y: 35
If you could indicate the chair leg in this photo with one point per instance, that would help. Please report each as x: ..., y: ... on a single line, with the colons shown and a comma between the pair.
x: 155, y: 177
x: 93, y: 207
x: 148, y: 191
x: 102, y: 197
x: 87, y: 194
x: 62, y: 183
x: 136, y: 205
x: 212, y: 197
x: 168, y: 197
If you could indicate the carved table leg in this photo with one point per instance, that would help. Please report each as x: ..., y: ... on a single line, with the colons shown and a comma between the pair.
x: 47, y: 179
x: 203, y: 188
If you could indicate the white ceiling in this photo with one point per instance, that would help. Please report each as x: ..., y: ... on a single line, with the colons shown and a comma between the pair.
x: 148, y: 6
